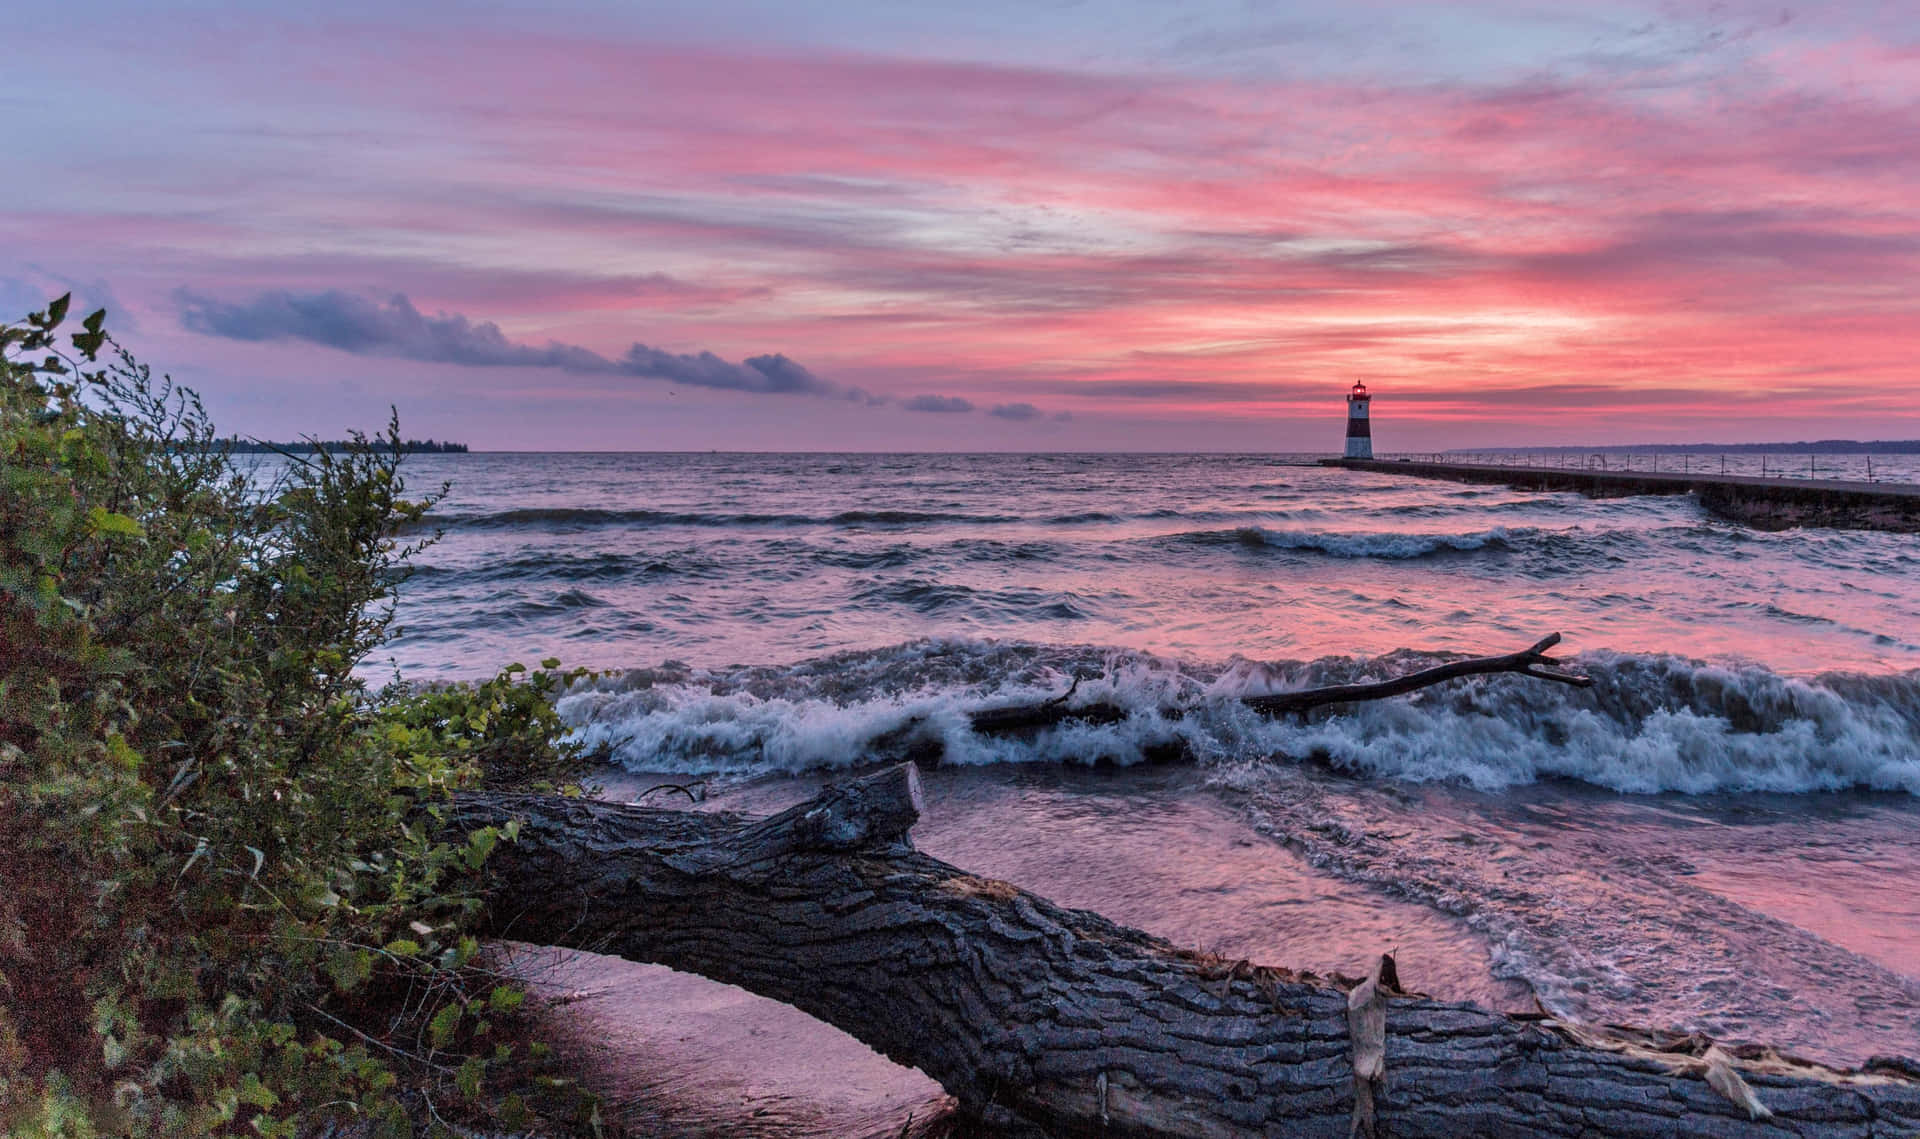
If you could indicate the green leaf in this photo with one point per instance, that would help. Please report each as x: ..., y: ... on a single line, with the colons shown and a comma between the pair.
x: 440, y: 1028
x: 505, y: 998
x: 103, y: 521
x: 480, y: 844
x: 94, y: 320
x: 350, y: 968
x: 256, y: 1093
x: 550, y: 663
x: 57, y: 311
x: 468, y: 1078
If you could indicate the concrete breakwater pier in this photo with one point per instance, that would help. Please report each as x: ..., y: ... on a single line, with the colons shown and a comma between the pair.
x: 1763, y: 503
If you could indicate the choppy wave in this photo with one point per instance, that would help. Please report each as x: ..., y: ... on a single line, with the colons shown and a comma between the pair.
x: 1568, y: 548
x: 1382, y: 544
x: 1651, y: 722
x: 587, y: 517
x: 927, y: 596
x: 582, y: 516
x: 603, y: 567
x: 578, y: 516
x: 592, y: 516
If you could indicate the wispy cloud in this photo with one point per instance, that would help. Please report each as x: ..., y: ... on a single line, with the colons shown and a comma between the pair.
x: 1582, y: 206
x: 394, y: 327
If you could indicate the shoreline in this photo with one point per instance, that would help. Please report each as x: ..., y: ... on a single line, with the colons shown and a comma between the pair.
x: 677, y: 1055
x: 691, y: 1062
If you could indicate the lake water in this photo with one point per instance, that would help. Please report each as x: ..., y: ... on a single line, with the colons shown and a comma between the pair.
x: 1722, y: 834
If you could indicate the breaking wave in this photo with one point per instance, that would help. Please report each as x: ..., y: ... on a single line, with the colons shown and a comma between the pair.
x: 1650, y: 723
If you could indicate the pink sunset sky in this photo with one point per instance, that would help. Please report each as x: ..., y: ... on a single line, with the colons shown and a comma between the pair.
x: 992, y: 225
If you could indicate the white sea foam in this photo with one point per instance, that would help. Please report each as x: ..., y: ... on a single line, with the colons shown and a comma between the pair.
x: 1613, y: 914
x: 1651, y: 723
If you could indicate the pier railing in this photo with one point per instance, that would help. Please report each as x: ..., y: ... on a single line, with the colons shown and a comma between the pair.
x: 1898, y: 468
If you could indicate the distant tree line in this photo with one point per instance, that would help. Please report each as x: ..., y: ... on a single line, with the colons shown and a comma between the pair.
x: 1814, y: 447
x: 241, y: 446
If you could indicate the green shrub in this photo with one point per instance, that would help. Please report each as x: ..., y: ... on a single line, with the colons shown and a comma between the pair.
x: 225, y: 906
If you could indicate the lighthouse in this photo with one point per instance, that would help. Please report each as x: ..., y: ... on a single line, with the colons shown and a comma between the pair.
x: 1359, y: 429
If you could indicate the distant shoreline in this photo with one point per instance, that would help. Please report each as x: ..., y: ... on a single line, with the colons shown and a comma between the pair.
x: 309, y: 446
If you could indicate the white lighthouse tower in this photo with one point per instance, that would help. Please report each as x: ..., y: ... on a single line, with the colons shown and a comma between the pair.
x: 1359, y: 427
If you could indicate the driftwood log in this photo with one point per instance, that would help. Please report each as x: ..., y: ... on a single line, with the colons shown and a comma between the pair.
x: 1531, y: 661
x: 1035, y: 1015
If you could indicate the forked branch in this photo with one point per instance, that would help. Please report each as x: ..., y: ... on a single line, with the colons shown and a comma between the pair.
x: 1532, y: 661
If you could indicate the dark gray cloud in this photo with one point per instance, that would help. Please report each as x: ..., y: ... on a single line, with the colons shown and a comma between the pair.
x: 775, y: 374
x: 364, y: 326
x: 938, y: 403
x: 367, y: 326
x: 361, y: 325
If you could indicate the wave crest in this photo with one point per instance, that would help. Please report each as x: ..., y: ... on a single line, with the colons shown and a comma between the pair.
x: 1363, y: 544
x: 1651, y: 723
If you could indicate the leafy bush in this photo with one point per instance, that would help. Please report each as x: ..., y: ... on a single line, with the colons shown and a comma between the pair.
x: 225, y: 904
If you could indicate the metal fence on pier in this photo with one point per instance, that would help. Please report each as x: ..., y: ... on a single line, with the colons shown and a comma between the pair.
x: 1898, y: 468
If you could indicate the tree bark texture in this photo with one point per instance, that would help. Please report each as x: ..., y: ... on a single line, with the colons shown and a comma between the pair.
x: 1032, y: 1014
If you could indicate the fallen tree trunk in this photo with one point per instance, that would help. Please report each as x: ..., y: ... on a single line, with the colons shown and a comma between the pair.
x: 1033, y: 1014
x: 1532, y: 661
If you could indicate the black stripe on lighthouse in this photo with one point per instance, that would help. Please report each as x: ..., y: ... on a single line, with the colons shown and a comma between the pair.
x: 1358, y: 428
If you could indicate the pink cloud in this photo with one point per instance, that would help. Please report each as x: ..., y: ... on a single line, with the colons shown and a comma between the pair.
x: 1615, y: 247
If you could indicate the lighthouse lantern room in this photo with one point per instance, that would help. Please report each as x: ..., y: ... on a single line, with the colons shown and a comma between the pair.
x: 1359, y: 429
